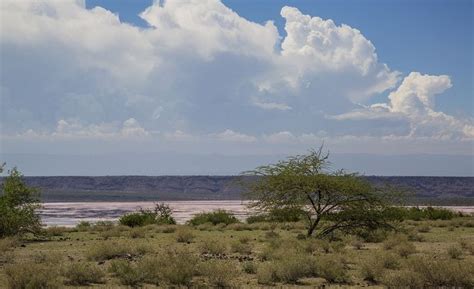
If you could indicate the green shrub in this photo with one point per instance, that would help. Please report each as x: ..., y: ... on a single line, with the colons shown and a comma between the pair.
x: 405, y: 249
x: 170, y: 266
x: 428, y: 213
x: 332, y: 269
x: 373, y: 236
x: 83, y: 274
x: 7, y: 244
x: 113, y: 232
x: 161, y: 214
x: 403, y: 279
x: 137, y: 219
x: 372, y: 269
x: 214, y: 247
x: 394, y: 240
x: 444, y: 273
x: 176, y: 267
x: 18, y: 205
x: 220, y: 274
x: 257, y: 219
x: 249, y: 267
x: 293, y: 267
x: 266, y: 274
x: 54, y: 231
x: 455, y: 251
x: 83, y: 226
x: 32, y: 275
x: 241, y: 248
x: 184, y: 235
x: 215, y: 217
x: 358, y: 244
x: 424, y: 229
x: 128, y: 274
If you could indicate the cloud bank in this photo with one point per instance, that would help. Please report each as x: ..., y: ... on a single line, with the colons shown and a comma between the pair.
x: 202, y: 73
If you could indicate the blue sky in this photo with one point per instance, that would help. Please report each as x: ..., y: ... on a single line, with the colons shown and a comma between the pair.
x: 258, y: 79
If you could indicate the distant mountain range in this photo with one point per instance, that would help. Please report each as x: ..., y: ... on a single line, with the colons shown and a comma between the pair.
x: 423, y: 190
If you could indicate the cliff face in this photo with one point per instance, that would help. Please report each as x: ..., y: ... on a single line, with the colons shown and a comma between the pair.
x: 141, y: 188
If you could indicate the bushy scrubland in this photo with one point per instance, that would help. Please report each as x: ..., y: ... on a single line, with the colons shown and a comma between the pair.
x: 240, y: 255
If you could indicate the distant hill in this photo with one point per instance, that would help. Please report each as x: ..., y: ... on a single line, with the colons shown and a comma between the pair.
x: 432, y: 190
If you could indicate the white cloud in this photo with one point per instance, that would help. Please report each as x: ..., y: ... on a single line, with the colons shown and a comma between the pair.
x: 272, y: 105
x: 232, y: 136
x: 70, y: 129
x: 131, y: 128
x: 414, y: 100
x: 200, y: 67
x: 280, y: 137
x: 179, y: 135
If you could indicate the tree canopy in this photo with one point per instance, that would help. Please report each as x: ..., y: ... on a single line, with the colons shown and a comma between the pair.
x: 18, y: 204
x: 329, y: 200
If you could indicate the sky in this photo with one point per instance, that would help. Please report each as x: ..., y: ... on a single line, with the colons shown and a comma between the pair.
x: 211, y: 87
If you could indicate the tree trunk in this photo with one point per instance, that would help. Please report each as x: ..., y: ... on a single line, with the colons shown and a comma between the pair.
x: 313, y: 226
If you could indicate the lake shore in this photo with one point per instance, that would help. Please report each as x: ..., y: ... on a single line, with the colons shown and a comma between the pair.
x: 70, y: 213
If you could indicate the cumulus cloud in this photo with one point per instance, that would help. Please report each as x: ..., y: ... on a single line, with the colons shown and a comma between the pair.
x: 199, y: 67
x: 414, y: 100
x: 232, y: 136
x: 67, y: 129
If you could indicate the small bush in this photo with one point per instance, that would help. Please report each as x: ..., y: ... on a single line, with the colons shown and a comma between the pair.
x: 455, y: 251
x: 444, y: 273
x: 7, y: 244
x: 127, y: 273
x: 214, y: 247
x: 18, y: 206
x: 389, y: 261
x: 83, y: 274
x: 114, y: 232
x: 403, y: 279
x: 372, y: 269
x: 184, y: 235
x: 393, y: 241
x: 241, y: 248
x: 220, y: 274
x: 256, y: 219
x: 249, y: 267
x: 215, y: 217
x: 266, y: 274
x: 332, y: 269
x: 357, y: 244
x: 54, y: 231
x: 83, y: 226
x: 428, y: 213
x: 161, y: 214
x: 405, y: 249
x: 271, y: 235
x: 31, y: 275
x: 424, y: 229
x: 176, y: 267
x: 293, y: 267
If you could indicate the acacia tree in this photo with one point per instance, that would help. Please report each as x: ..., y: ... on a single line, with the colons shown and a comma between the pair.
x: 18, y: 204
x: 329, y: 200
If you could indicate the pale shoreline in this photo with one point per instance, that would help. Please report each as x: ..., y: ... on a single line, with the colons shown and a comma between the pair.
x: 70, y: 213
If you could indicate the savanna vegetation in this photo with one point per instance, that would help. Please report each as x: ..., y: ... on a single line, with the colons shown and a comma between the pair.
x: 311, y: 228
